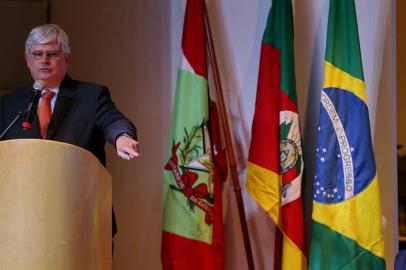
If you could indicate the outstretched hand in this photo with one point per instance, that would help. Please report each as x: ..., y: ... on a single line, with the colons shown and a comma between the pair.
x: 127, y: 148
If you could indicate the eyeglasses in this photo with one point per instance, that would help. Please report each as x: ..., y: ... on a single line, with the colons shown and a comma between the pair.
x: 51, y: 54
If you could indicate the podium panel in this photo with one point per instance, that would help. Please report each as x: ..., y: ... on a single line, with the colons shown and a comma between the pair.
x: 55, y: 207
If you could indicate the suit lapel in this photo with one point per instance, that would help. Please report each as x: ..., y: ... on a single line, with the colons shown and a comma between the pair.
x: 34, y: 133
x: 64, y: 100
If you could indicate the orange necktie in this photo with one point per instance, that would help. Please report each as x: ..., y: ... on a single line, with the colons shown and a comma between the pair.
x: 45, y: 112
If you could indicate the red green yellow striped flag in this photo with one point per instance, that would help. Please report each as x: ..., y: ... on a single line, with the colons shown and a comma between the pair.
x: 347, y: 230
x: 275, y: 162
x: 192, y: 233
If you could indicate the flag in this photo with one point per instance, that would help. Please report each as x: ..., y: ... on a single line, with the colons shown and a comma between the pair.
x: 346, y: 219
x: 275, y: 161
x: 192, y: 233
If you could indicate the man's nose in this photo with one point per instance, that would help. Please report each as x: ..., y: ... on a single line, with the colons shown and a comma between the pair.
x: 45, y: 58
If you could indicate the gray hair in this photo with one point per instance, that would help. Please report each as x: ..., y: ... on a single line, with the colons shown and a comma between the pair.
x: 47, y: 33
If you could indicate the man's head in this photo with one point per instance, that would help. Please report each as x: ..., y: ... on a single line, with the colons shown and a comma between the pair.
x: 47, y: 54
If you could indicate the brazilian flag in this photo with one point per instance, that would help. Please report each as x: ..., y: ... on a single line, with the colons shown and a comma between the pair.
x: 347, y: 231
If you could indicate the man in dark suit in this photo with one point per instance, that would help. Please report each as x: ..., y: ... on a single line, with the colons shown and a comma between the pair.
x: 81, y: 113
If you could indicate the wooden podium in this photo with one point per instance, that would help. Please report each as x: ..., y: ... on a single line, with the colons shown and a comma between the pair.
x: 55, y: 207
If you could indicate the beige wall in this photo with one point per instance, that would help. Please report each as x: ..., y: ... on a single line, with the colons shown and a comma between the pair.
x: 384, y: 137
x: 401, y: 71
x: 124, y: 44
x: 16, y: 19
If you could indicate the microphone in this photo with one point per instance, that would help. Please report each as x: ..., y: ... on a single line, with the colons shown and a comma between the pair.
x: 38, y: 86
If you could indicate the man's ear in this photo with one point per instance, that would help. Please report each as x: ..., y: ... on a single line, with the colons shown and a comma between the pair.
x: 26, y: 58
x: 67, y: 57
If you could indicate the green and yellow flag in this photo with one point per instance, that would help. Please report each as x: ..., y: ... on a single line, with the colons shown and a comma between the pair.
x: 347, y: 231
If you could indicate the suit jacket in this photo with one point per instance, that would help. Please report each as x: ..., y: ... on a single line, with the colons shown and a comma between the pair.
x: 84, y: 115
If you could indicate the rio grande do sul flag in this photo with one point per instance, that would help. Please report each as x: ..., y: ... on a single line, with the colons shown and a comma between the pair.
x: 192, y: 235
x: 275, y: 162
x: 347, y: 231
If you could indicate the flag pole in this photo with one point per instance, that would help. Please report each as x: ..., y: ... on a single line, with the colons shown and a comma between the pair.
x: 229, y: 145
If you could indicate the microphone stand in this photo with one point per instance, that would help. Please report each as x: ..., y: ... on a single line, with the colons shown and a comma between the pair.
x: 19, y: 115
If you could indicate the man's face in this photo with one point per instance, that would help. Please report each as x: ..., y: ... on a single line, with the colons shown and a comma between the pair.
x: 48, y: 63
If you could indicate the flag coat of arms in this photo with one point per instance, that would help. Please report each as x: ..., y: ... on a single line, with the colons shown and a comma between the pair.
x: 346, y: 219
x: 275, y: 162
x: 192, y: 236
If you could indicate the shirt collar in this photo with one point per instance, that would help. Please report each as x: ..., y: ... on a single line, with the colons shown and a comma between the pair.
x: 55, y: 90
